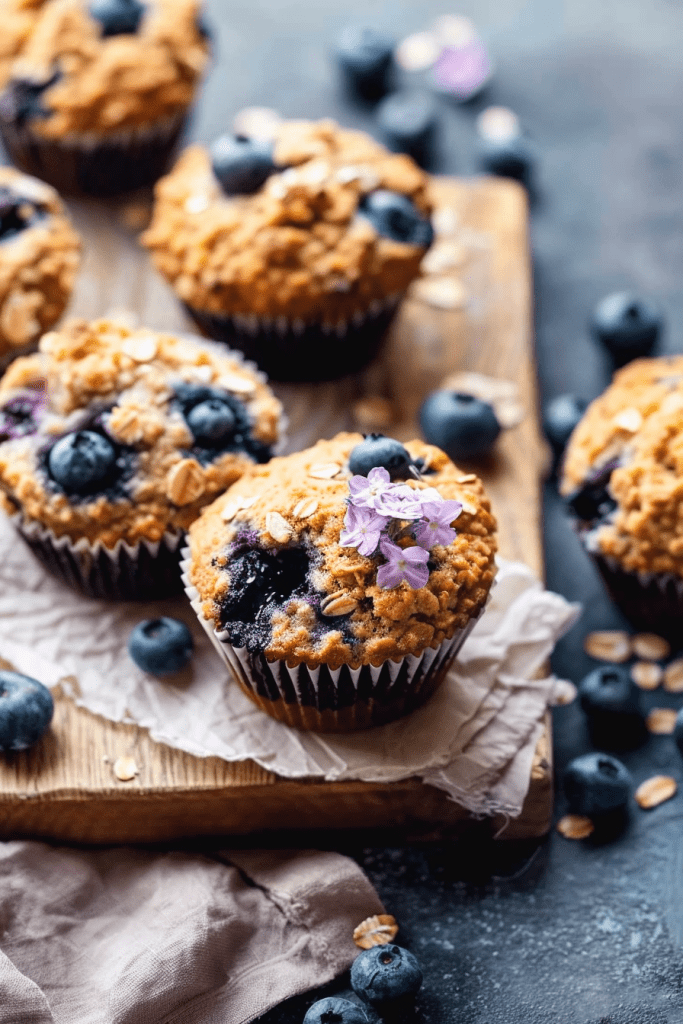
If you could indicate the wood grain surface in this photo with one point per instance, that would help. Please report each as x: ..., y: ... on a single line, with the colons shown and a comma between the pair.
x: 66, y: 787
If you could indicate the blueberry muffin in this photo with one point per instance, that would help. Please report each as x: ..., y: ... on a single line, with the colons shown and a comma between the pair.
x: 39, y: 259
x: 111, y: 443
x: 339, y: 582
x: 95, y: 95
x: 297, y: 250
x: 622, y: 478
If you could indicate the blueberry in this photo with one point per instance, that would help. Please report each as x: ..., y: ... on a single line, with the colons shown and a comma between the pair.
x: 242, y: 165
x: 260, y: 581
x: 611, y: 701
x: 462, y: 425
x: 18, y: 416
x: 212, y: 422
x: 16, y: 213
x: 365, y: 58
x: 378, y: 451
x: 395, y: 216
x: 82, y: 463
x: 560, y: 416
x: 627, y: 326
x: 161, y: 646
x: 385, y: 974
x: 596, y: 784
x: 408, y: 120
x: 21, y: 100
x: 678, y: 731
x: 592, y: 501
x: 508, y: 158
x: 26, y: 709
x: 334, y: 1010
x: 117, y: 17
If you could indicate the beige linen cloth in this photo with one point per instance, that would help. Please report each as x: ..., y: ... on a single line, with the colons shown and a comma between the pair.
x: 131, y: 937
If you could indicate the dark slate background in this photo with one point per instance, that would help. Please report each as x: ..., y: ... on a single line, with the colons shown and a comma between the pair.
x: 569, y: 933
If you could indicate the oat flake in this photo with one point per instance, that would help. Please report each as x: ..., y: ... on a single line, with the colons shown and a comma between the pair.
x: 324, y: 470
x: 125, y: 768
x: 673, y: 676
x: 655, y: 791
x: 650, y: 646
x: 377, y: 930
x: 646, y: 674
x: 661, y: 721
x: 278, y: 527
x: 305, y: 508
x: 575, y: 826
x: 608, y: 645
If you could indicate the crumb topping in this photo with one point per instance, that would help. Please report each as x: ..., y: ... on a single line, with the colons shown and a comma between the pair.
x: 103, y: 84
x: 127, y: 382
x: 38, y: 264
x: 636, y: 424
x: 297, y: 248
x: 297, y: 504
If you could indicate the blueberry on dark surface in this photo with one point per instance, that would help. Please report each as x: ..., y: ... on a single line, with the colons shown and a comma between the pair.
x: 609, y: 689
x: 378, y: 451
x: 16, y: 213
x: 161, y: 646
x: 18, y: 416
x: 82, y: 463
x: 261, y: 581
x: 560, y: 416
x: 593, y: 501
x: 408, y: 120
x: 26, y: 709
x: 117, y: 17
x: 596, y: 784
x: 241, y: 165
x: 212, y: 422
x: 627, y: 326
x: 335, y: 1010
x: 21, y: 99
x: 678, y: 732
x: 461, y: 425
x: 365, y: 59
x: 219, y: 422
x: 508, y: 158
x: 385, y: 974
x: 395, y: 216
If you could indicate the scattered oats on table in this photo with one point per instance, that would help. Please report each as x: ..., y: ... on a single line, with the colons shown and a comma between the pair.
x: 673, y: 676
x: 650, y: 646
x: 655, y: 791
x: 647, y: 674
x: 378, y: 930
x: 575, y: 826
x: 608, y: 645
x: 661, y: 721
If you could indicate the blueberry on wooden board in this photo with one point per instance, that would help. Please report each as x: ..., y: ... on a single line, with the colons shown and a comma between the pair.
x: 242, y: 165
x: 365, y: 59
x: 463, y: 426
x: 26, y: 709
x: 82, y: 463
x: 379, y: 452
x: 627, y: 325
x: 161, y: 646
x: 596, y: 784
x: 385, y: 974
x: 335, y: 1010
x: 117, y: 17
x: 395, y: 216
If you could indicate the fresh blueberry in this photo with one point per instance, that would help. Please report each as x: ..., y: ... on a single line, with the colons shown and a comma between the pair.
x: 678, y: 731
x: 508, y: 158
x: 161, y: 646
x: 212, y: 422
x: 593, y: 501
x: 242, y: 165
x: 395, y: 216
x: 26, y: 709
x: 260, y: 582
x: 627, y: 326
x: 82, y: 463
x: 611, y: 701
x: 334, y: 1010
x: 408, y: 120
x: 21, y: 100
x: 560, y: 416
x: 378, y: 451
x: 596, y: 784
x: 385, y: 974
x: 117, y: 17
x: 18, y: 416
x: 460, y: 424
x: 365, y: 58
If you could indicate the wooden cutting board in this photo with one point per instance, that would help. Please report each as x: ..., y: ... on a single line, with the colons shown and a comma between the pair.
x: 473, y: 315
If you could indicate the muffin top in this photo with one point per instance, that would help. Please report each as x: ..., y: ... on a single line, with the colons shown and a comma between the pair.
x: 116, y: 434
x: 278, y: 565
x: 72, y: 68
x: 39, y: 258
x: 623, y: 469
x: 306, y: 241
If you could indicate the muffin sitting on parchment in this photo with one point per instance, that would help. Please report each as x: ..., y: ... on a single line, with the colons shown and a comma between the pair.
x: 623, y: 479
x: 111, y: 443
x: 95, y: 95
x: 338, y: 583
x: 298, y: 250
x: 39, y: 259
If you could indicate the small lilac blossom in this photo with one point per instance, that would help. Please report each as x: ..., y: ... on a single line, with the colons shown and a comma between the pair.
x: 362, y: 529
x: 435, y: 527
x: 367, y: 491
x: 409, y: 564
x: 417, y: 499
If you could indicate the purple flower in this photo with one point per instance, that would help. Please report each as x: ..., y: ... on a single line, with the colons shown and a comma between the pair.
x: 367, y: 491
x: 435, y: 526
x: 363, y: 528
x: 416, y: 500
x: 409, y: 564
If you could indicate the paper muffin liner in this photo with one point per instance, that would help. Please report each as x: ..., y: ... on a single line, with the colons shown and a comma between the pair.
x: 127, y: 572
x: 652, y: 602
x: 292, y: 350
x: 95, y: 165
x: 330, y: 700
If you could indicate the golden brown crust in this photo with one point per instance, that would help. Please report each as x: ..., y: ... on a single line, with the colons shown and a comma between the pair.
x: 297, y: 247
x: 299, y: 491
x: 38, y: 266
x: 638, y: 420
x: 106, y: 84
x: 103, y: 365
